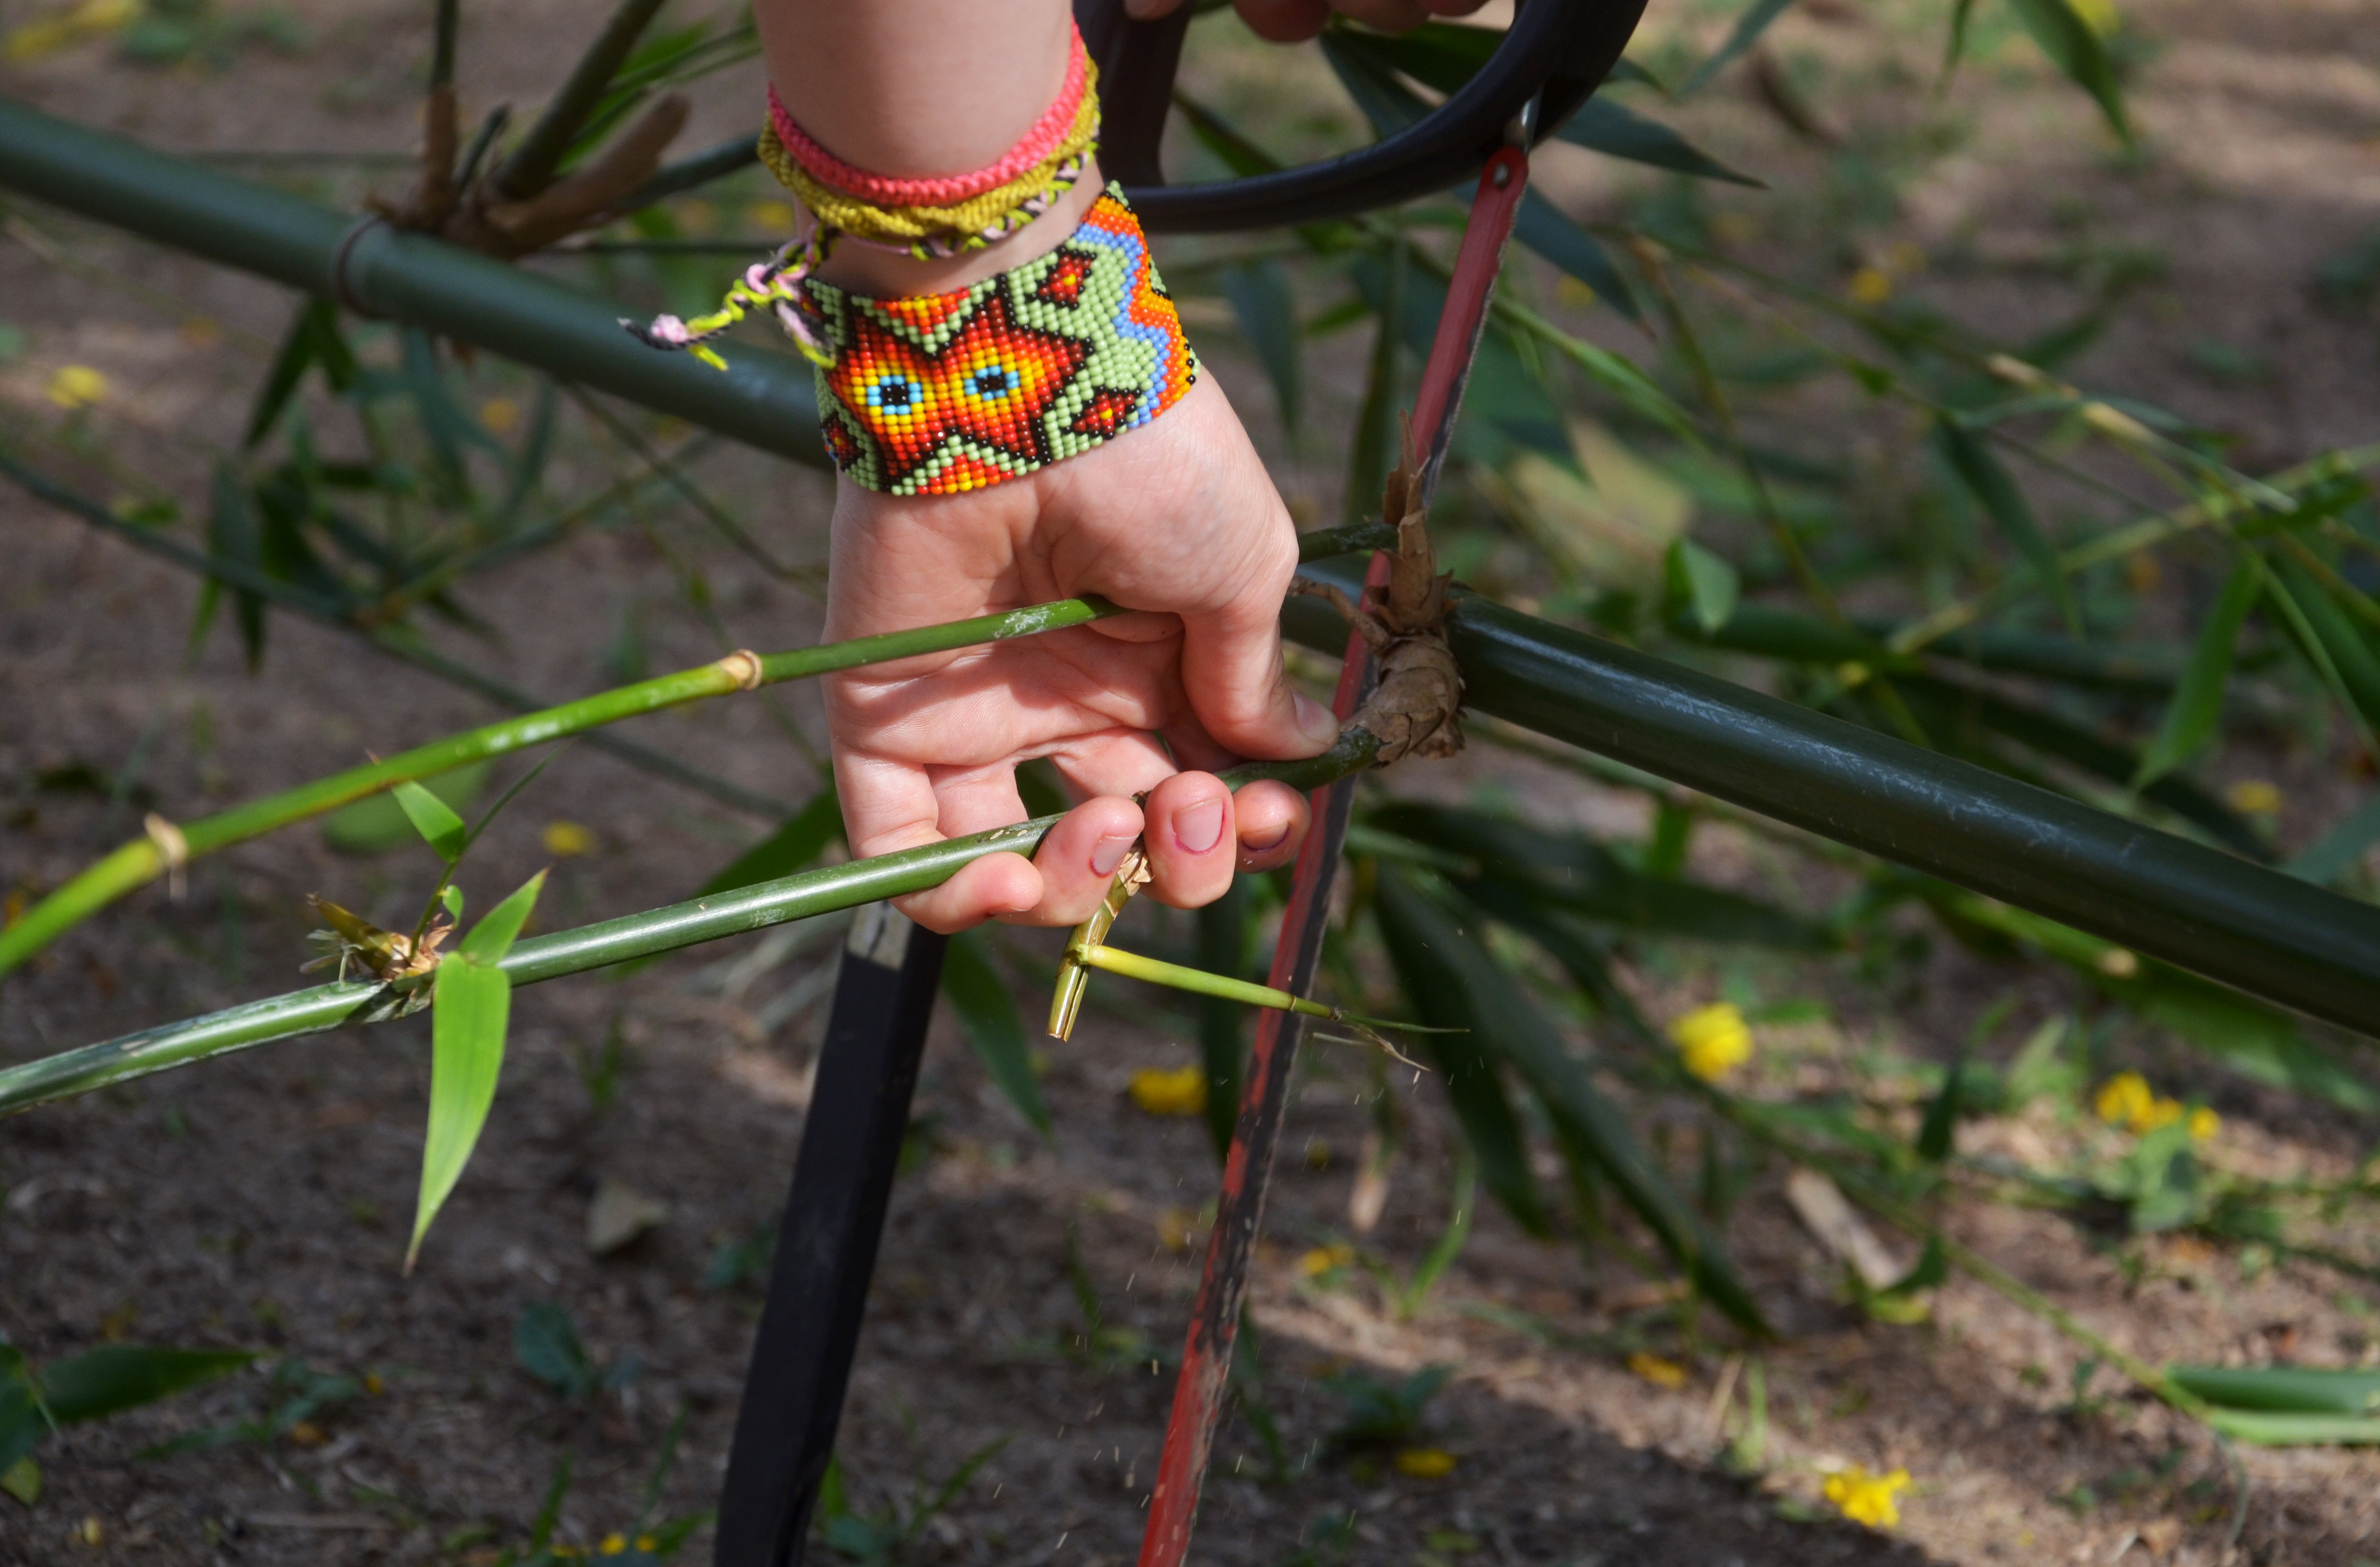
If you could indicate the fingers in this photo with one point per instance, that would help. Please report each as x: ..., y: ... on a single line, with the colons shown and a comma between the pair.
x: 1272, y: 821
x: 1284, y: 21
x: 1232, y: 672
x: 1388, y: 16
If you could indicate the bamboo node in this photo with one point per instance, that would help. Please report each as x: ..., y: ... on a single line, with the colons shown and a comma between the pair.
x: 172, y: 847
x: 1416, y: 708
x: 742, y: 666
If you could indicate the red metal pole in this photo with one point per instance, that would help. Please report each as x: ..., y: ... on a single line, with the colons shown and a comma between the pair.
x: 1222, y: 1287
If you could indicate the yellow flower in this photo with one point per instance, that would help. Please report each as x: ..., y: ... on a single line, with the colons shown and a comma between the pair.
x: 1867, y: 1499
x: 1425, y: 1463
x: 93, y: 18
x: 2254, y: 796
x: 773, y: 216
x: 565, y: 840
x: 2124, y: 1099
x: 307, y: 1433
x: 1714, y: 1040
x: 1571, y: 291
x: 1160, y: 1092
x: 646, y: 1542
x: 373, y: 1384
x: 2205, y: 1124
x: 91, y: 1532
x: 1176, y: 1227
x: 77, y: 387
x: 1870, y: 287
x: 614, y: 1543
x: 1659, y: 1372
x: 498, y: 414
x: 1322, y: 1259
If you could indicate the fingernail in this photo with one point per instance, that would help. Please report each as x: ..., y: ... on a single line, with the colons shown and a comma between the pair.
x: 1200, y: 827
x: 1315, y: 720
x: 1266, y: 845
x: 1108, y: 853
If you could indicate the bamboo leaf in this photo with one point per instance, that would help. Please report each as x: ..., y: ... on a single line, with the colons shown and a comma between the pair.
x: 1702, y: 583
x: 1267, y: 308
x: 1475, y: 1084
x: 2002, y: 501
x: 1748, y: 29
x: 290, y: 362
x: 119, y: 1377
x: 1571, y: 872
x: 491, y: 938
x: 2296, y: 1430
x: 1604, y: 125
x: 987, y: 1014
x: 1464, y: 986
x: 2350, y: 652
x: 2287, y: 1390
x: 1551, y: 233
x: 2075, y: 47
x: 377, y: 824
x: 2190, y: 718
x: 232, y: 533
x: 472, y: 1004
x: 433, y: 819
x: 1934, y: 1137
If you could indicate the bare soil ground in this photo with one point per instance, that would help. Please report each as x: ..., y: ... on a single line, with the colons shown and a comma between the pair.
x: 262, y: 1201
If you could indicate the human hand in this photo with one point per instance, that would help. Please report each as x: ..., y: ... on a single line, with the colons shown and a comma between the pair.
x: 1293, y: 21
x: 1176, y: 519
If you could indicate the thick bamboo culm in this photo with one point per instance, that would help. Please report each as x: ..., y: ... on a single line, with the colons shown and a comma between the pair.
x: 2162, y: 895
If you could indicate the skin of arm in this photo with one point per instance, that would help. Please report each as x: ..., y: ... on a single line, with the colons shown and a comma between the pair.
x: 1176, y: 519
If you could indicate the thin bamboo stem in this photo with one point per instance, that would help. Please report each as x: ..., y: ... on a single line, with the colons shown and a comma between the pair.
x: 801, y: 896
x: 1157, y: 971
x: 144, y: 859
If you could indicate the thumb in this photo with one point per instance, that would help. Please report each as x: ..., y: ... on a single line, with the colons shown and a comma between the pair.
x: 1232, y: 670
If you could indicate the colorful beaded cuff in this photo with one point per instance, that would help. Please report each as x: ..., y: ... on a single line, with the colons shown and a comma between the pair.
x: 956, y: 392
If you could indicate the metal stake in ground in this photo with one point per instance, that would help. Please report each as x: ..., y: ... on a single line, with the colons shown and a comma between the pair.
x: 1222, y: 1287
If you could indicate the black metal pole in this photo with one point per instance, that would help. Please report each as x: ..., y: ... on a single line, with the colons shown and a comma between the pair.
x: 826, y: 1243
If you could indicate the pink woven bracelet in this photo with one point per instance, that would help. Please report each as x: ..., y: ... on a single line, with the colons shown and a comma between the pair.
x: 945, y: 191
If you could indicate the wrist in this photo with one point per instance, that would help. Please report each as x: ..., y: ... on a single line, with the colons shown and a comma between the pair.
x: 878, y: 274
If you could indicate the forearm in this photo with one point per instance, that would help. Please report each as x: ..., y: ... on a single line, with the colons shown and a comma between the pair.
x: 916, y: 88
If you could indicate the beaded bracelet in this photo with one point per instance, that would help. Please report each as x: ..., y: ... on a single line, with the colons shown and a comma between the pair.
x: 926, y: 218
x: 948, y: 393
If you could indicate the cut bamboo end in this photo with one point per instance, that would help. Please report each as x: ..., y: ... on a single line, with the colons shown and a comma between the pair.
x: 742, y: 666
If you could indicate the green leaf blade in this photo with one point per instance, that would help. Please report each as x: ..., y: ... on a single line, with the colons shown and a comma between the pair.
x: 472, y: 1004
x: 2191, y: 717
x: 987, y: 1015
x: 491, y: 938
x: 432, y: 818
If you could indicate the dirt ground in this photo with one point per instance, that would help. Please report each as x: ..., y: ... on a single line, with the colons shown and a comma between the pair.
x: 261, y: 1201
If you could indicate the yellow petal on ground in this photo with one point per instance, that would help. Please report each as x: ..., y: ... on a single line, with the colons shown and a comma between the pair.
x: 93, y: 18
x: 2160, y: 1112
x: 567, y: 840
x: 76, y: 386
x: 2205, y: 1124
x: 1867, y: 1499
x: 1162, y: 1092
x: 614, y: 1543
x: 1714, y: 1040
x: 1425, y: 1463
x: 1870, y: 285
x: 1659, y: 1372
x: 2123, y: 1100
x: 498, y: 414
x: 2254, y: 796
x: 1322, y: 1259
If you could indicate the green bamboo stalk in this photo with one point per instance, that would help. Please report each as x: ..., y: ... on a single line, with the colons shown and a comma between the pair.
x: 168, y: 846
x: 709, y: 918
x: 530, y: 167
